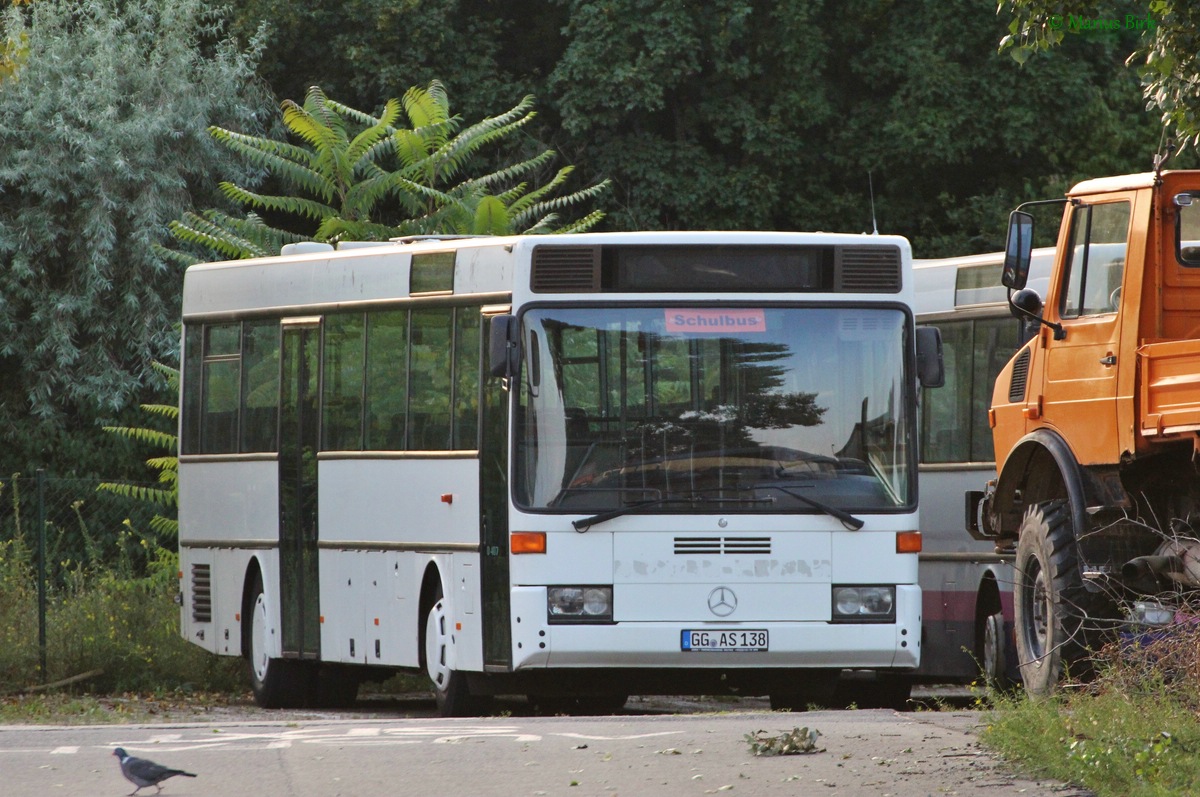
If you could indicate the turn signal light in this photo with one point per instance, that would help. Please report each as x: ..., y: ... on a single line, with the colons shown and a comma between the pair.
x: 527, y: 542
x: 908, y: 542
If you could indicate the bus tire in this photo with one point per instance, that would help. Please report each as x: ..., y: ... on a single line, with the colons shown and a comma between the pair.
x: 277, y: 683
x: 992, y: 658
x: 450, y: 687
x: 813, y: 688
x: 884, y: 692
x: 1051, y: 603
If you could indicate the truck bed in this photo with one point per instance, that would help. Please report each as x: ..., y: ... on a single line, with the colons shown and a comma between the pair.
x: 1169, y: 388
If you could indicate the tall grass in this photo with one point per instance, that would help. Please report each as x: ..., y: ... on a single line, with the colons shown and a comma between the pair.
x: 1133, y: 731
x: 111, y: 610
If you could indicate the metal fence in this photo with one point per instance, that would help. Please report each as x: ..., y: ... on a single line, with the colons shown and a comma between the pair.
x: 78, y: 522
x: 52, y: 529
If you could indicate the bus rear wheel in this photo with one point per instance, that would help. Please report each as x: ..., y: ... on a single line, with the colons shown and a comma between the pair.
x: 277, y: 683
x: 450, y: 687
x: 992, y: 659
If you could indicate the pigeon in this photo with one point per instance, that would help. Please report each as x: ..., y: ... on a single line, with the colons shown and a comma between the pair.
x: 141, y: 772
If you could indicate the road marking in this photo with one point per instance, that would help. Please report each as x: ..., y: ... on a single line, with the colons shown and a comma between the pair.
x: 217, y: 738
x: 618, y: 737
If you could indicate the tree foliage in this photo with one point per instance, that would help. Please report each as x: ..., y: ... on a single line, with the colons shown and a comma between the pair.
x: 358, y: 177
x: 756, y: 114
x: 1165, y: 53
x: 165, y: 495
x: 103, y: 140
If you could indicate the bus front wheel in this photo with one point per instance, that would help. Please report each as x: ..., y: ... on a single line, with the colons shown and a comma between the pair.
x: 450, y: 688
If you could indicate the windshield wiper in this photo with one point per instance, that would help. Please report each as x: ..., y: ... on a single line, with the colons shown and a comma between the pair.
x: 849, y: 521
x: 583, y: 524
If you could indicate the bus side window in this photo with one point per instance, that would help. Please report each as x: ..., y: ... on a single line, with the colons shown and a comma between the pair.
x: 387, y: 380
x: 260, y: 385
x: 343, y: 372
x: 220, y: 389
x: 430, y: 379
x: 467, y: 363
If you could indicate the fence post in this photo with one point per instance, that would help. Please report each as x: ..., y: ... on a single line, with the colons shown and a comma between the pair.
x: 41, y: 547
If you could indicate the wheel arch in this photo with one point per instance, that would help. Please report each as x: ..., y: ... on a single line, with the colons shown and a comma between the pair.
x: 253, y: 576
x: 1040, y: 468
x: 431, y: 586
x: 987, y: 595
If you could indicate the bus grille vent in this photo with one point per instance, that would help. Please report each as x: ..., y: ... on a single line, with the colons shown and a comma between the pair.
x: 867, y: 269
x: 202, y: 593
x: 566, y: 269
x: 716, y: 546
x: 1020, y: 375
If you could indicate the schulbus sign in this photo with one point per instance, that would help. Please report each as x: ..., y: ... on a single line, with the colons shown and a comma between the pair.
x: 715, y: 321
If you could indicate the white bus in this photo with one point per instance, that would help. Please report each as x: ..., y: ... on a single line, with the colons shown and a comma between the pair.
x: 573, y: 467
x: 965, y: 583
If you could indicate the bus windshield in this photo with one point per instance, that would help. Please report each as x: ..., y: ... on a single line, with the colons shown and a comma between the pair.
x: 713, y: 409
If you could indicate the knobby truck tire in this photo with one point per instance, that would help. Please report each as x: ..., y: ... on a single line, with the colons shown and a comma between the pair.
x: 1052, y: 607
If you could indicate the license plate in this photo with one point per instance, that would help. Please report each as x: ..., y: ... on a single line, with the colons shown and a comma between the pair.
x: 724, y: 641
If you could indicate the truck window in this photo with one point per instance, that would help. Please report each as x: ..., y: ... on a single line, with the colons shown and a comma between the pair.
x: 1187, y: 232
x: 1096, y: 260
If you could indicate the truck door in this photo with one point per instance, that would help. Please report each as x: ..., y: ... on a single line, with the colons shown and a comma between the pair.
x: 1080, y: 382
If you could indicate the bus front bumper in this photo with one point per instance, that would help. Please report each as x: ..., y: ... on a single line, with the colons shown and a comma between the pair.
x: 540, y: 644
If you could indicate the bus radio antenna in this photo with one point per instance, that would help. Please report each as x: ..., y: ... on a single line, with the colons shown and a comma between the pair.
x: 871, y: 191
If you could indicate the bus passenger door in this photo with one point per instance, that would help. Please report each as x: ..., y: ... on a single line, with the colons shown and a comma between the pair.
x: 493, y: 507
x: 298, y: 426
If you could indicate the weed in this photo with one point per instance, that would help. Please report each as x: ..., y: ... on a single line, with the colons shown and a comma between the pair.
x: 794, y: 742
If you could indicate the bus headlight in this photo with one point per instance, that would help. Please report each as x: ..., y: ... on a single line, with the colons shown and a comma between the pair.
x: 580, y: 604
x: 864, y: 604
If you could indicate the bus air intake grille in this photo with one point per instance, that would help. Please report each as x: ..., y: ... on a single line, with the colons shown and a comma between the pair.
x: 202, y: 593
x: 867, y: 269
x: 1020, y: 375
x: 716, y: 546
x: 566, y: 269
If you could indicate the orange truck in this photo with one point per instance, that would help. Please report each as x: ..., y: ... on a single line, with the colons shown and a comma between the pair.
x: 1096, y: 422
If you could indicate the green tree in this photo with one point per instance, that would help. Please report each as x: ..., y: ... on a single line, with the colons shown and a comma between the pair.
x: 103, y: 141
x: 165, y: 495
x: 746, y: 113
x: 1164, y: 55
x: 358, y: 177
x: 755, y: 113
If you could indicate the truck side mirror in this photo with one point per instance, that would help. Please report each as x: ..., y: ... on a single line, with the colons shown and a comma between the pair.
x: 931, y: 369
x: 1018, y: 250
x: 1026, y: 305
x: 503, y: 348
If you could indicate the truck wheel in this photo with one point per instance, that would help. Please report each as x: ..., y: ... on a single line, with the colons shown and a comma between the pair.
x: 1051, y: 603
x: 450, y: 688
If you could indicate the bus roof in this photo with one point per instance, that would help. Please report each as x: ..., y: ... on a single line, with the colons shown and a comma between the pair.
x: 484, y: 267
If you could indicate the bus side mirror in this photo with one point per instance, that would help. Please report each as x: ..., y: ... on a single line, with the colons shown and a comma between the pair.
x: 1018, y: 250
x: 503, y: 349
x: 931, y: 370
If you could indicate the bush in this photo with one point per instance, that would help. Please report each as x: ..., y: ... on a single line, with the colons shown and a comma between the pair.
x: 110, y: 607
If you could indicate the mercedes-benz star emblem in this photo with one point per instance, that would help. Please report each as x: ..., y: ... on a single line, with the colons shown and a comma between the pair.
x: 722, y: 601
